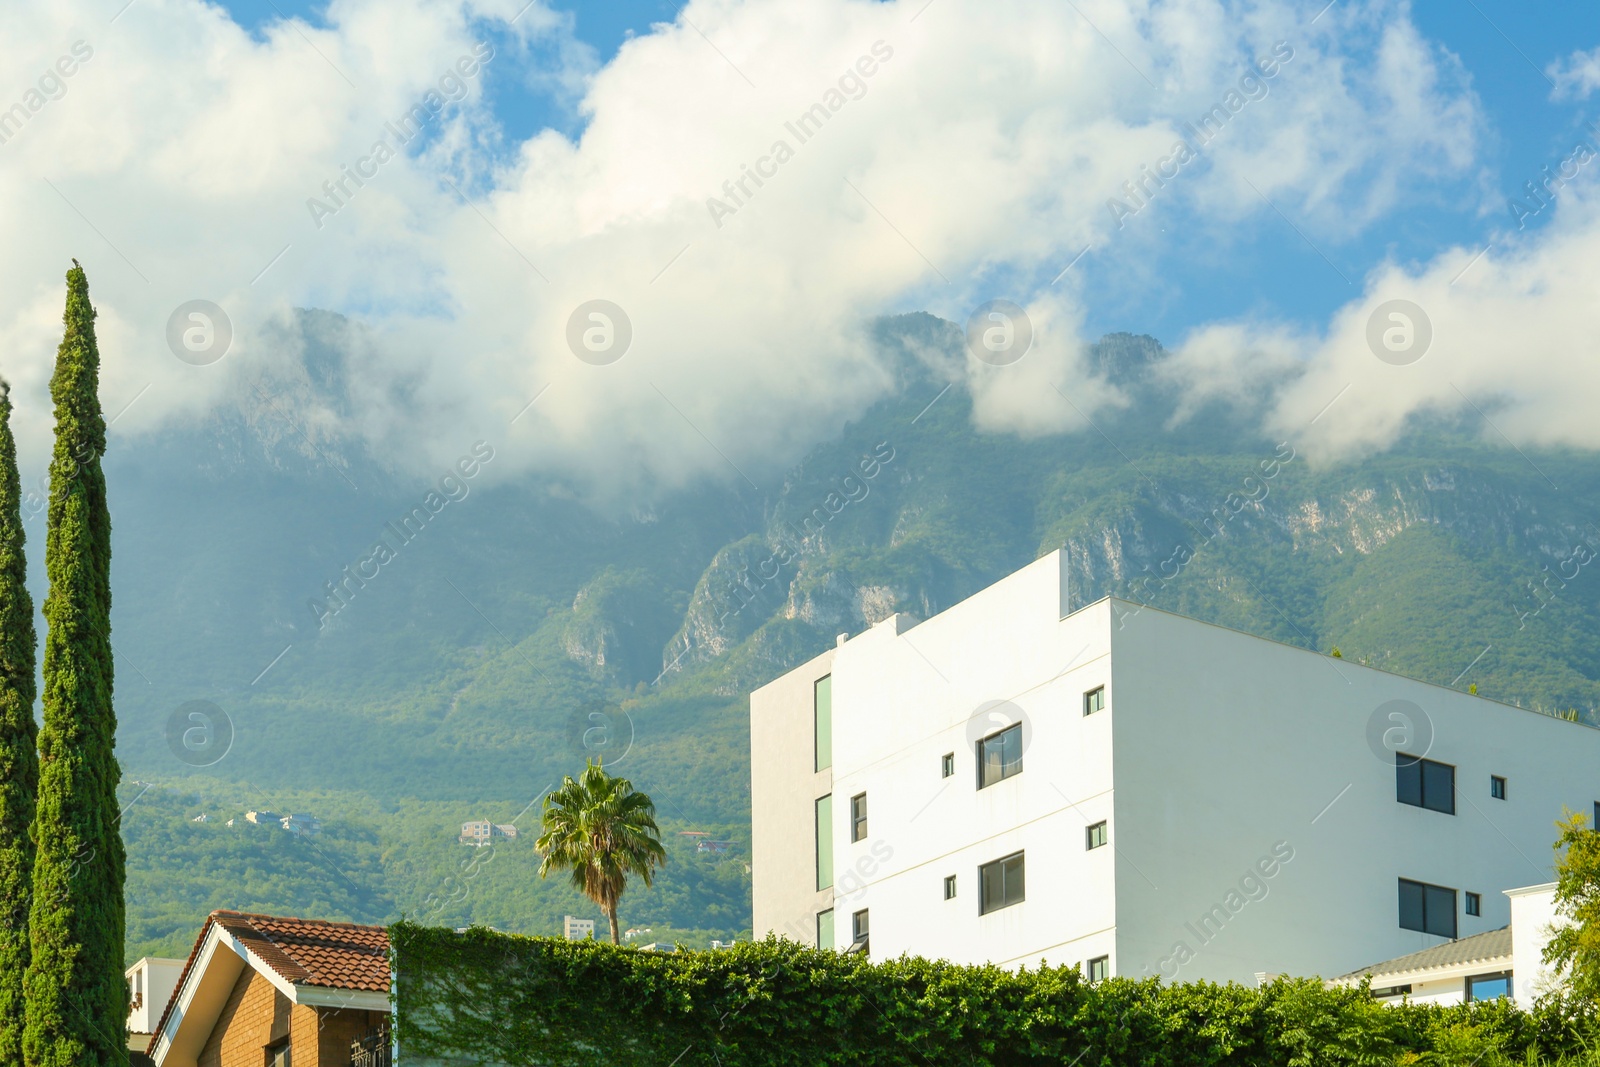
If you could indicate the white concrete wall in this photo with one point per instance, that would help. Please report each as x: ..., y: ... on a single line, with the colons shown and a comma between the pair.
x: 1533, y: 912
x: 1245, y: 787
x: 783, y: 788
x: 904, y: 699
x: 160, y: 979
x: 1227, y: 744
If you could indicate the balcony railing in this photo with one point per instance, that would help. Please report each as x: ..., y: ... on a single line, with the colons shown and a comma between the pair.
x: 371, y: 1049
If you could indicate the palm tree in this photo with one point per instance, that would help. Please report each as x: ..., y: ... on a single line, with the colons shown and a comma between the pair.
x: 601, y: 830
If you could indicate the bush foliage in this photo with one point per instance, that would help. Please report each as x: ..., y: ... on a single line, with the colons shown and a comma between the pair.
x: 481, y: 997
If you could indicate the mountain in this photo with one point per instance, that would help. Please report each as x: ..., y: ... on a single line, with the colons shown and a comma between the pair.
x: 511, y: 630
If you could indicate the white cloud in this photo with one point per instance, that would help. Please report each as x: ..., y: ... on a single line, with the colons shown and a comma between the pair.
x: 985, y: 142
x: 1513, y: 349
x: 1576, y: 76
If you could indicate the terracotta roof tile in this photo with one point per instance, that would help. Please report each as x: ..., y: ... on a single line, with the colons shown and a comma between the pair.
x: 314, y: 952
x: 303, y: 951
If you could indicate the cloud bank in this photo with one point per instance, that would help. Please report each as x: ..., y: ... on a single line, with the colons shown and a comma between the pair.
x: 754, y: 184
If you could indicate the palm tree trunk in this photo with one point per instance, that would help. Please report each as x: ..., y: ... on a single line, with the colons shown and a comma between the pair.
x: 616, y: 932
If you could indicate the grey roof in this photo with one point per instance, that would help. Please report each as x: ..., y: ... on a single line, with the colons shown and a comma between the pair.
x: 1495, y: 944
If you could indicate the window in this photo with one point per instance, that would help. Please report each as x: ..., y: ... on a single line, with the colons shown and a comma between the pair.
x: 825, y: 841
x: 1423, y: 783
x: 1429, y: 908
x: 858, y: 817
x: 1596, y: 824
x: 1497, y: 787
x: 1474, y: 904
x: 949, y: 887
x: 278, y: 1055
x: 1489, y: 986
x: 1000, y: 883
x: 947, y: 765
x: 822, y: 722
x: 1095, y: 836
x: 1099, y: 968
x: 1000, y: 756
x: 858, y: 926
x: 1094, y: 700
x: 825, y: 929
x: 1391, y: 991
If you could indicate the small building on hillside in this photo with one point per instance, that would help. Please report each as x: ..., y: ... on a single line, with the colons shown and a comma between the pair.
x: 481, y: 832
x: 263, y: 991
x: 1508, y: 962
x: 263, y: 818
x: 576, y: 929
x: 301, y: 824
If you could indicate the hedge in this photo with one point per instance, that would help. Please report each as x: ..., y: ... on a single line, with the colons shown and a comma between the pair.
x: 485, y: 998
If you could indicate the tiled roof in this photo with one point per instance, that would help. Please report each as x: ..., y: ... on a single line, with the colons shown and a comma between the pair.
x: 302, y: 951
x: 313, y: 952
x: 1495, y: 944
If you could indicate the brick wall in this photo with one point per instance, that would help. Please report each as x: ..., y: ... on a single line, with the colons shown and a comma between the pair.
x: 256, y: 1016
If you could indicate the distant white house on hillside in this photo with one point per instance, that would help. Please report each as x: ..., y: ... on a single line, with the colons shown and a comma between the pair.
x: 481, y: 832
x: 576, y: 929
x: 1507, y: 962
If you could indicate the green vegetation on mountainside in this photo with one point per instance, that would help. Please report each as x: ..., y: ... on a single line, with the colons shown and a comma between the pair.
x: 467, y: 677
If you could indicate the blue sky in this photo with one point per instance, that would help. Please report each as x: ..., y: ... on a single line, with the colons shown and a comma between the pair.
x: 1271, y: 271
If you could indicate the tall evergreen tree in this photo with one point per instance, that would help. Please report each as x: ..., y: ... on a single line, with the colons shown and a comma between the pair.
x: 19, y: 739
x: 77, y: 998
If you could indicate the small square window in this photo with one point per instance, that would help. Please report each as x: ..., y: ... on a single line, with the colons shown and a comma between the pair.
x: 1095, y: 836
x: 858, y: 817
x: 858, y: 926
x: 1497, y: 787
x: 1094, y: 700
x: 1474, y: 904
x: 947, y: 765
x: 1099, y: 968
x: 949, y: 887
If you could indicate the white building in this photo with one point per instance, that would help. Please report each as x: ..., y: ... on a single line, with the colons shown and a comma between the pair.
x: 1508, y: 962
x: 1140, y: 793
x: 575, y: 929
x: 150, y: 984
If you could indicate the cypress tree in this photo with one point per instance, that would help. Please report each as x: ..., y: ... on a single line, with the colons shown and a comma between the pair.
x: 19, y: 739
x: 77, y: 999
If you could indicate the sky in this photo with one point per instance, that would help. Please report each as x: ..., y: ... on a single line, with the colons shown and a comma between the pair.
x: 1357, y: 154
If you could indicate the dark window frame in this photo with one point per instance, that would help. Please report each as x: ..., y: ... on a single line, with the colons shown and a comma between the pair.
x: 1473, y: 904
x: 947, y: 765
x: 1429, y: 917
x: 860, y: 927
x: 1090, y: 704
x: 1418, y: 783
x: 1497, y: 787
x: 1006, y: 770
x: 858, y: 817
x: 1089, y: 842
x: 829, y: 913
x: 1098, y: 969
x: 986, y: 906
x: 949, y: 887
x: 1495, y: 977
